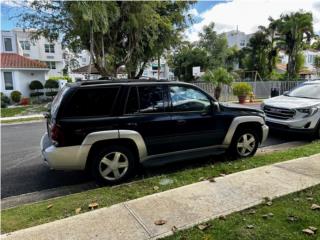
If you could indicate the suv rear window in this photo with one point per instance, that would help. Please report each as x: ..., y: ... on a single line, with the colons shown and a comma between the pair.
x: 92, y: 102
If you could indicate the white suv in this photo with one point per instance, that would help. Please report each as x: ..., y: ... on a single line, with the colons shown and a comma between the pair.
x: 295, y: 111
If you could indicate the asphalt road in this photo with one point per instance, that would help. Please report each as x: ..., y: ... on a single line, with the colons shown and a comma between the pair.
x: 22, y: 168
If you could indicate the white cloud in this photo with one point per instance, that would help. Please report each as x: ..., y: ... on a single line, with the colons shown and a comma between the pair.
x: 194, y: 12
x: 247, y: 15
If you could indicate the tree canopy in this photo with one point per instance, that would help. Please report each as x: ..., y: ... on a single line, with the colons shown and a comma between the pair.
x: 129, y: 33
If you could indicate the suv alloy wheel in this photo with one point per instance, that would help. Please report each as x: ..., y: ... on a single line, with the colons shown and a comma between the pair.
x: 244, y: 144
x: 112, y: 164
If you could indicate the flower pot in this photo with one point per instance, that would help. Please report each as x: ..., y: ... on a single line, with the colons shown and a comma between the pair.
x: 242, y: 99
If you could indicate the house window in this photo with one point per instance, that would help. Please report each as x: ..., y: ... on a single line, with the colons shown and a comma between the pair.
x: 51, y: 65
x: 242, y: 43
x: 8, y: 81
x: 25, y: 45
x: 7, y: 44
x: 49, y: 48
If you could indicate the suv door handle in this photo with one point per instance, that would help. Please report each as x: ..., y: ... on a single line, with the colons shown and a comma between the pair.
x: 181, y: 122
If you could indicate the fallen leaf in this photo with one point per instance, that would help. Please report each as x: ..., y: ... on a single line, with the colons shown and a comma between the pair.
x: 78, y: 210
x: 156, y: 188
x: 310, y: 198
x: 49, y: 206
x: 250, y: 226
x: 203, y: 226
x: 252, y: 211
x: 315, y: 207
x: 160, y: 222
x: 211, y: 179
x: 292, y: 219
x: 202, y: 179
x: 314, y: 229
x: 267, y: 172
x: 267, y: 199
x: 268, y: 215
x: 93, y: 205
x: 174, y: 229
x: 296, y: 199
x: 222, y: 217
x: 222, y: 175
x: 308, y: 231
x: 269, y: 203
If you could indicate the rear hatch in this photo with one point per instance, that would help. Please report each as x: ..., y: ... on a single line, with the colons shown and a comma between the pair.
x: 53, y: 111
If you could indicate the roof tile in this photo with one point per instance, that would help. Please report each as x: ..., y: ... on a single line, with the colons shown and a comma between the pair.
x: 13, y: 60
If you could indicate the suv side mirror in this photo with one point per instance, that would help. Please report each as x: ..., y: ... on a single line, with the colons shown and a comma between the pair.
x: 286, y: 93
x: 215, y: 107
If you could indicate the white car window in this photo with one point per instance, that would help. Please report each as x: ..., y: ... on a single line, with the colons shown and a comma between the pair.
x: 306, y: 91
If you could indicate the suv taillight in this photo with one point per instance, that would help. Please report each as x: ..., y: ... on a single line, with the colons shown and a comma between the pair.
x: 57, y: 135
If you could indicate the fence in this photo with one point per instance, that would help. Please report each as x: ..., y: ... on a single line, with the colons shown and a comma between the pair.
x: 261, y: 89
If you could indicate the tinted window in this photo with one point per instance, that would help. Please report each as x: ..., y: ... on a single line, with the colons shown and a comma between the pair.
x: 151, y: 99
x: 132, y: 102
x: 8, y: 44
x: 92, y: 102
x: 8, y: 82
x: 185, y: 99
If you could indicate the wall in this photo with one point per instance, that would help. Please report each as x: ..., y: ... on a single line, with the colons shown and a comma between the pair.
x: 22, y: 79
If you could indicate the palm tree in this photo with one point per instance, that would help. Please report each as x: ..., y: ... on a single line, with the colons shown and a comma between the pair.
x: 294, y: 29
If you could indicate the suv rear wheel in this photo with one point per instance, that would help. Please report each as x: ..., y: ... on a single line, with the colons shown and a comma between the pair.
x: 112, y: 165
x: 244, y: 143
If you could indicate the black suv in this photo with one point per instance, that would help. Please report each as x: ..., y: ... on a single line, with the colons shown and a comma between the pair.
x: 109, y: 127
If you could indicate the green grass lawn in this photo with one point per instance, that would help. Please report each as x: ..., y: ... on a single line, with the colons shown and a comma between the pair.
x: 11, y: 112
x: 23, y: 110
x: 178, y: 175
x: 284, y: 219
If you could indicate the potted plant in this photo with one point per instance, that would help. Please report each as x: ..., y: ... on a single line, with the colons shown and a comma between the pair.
x: 242, y: 90
x: 218, y: 77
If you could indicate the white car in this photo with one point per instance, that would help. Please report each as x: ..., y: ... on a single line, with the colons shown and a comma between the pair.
x: 296, y: 111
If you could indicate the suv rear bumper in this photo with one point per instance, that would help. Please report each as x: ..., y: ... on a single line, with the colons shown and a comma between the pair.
x: 63, y: 158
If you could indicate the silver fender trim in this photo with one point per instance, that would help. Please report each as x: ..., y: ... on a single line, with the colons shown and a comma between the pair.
x: 236, y: 122
x: 113, y: 134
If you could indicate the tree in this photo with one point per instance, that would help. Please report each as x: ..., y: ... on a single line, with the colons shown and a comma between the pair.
x: 316, y: 44
x: 295, y: 29
x: 187, y: 57
x: 257, y: 52
x: 316, y: 64
x: 116, y: 32
x: 218, y: 77
x: 216, y: 46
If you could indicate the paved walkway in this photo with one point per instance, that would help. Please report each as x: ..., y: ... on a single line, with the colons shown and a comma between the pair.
x: 182, y: 207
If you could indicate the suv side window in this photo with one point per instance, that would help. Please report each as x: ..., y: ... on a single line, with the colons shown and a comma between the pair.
x: 92, y: 102
x: 151, y: 99
x: 132, y: 105
x: 186, y: 99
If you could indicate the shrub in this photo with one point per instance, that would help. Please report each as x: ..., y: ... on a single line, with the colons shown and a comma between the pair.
x: 36, y: 94
x: 242, y: 89
x: 5, y: 100
x: 36, y: 85
x: 69, y: 79
x: 51, y: 84
x: 15, y: 96
x: 51, y: 93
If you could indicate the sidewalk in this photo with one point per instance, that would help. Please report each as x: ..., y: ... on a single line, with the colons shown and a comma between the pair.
x: 182, y: 207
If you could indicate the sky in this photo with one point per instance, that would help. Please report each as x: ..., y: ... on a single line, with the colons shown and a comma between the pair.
x: 244, y: 15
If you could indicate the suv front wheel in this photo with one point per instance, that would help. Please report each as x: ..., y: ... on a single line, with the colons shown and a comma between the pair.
x: 112, y: 165
x: 244, y: 144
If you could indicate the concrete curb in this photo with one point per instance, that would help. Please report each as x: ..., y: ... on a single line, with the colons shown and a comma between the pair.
x: 22, y: 117
x: 182, y: 207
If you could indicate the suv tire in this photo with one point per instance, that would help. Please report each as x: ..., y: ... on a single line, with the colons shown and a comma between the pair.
x: 112, y: 165
x: 244, y: 143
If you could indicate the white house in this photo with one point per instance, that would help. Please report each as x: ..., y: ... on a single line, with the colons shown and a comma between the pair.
x: 42, y: 50
x: 17, y: 72
x: 309, y: 70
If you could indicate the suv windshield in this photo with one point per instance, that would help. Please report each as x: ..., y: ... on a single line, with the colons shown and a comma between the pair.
x: 306, y: 91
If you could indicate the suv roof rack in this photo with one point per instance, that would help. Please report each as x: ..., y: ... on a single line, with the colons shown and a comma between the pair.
x: 94, y: 82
